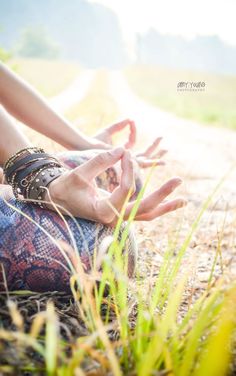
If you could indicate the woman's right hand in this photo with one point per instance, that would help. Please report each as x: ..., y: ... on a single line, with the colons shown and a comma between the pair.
x: 76, y: 191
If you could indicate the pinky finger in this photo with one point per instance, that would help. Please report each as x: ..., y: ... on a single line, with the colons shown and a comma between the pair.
x: 160, y: 153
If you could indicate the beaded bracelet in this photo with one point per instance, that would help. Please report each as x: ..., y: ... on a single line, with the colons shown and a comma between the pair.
x: 24, y: 161
x: 21, y: 152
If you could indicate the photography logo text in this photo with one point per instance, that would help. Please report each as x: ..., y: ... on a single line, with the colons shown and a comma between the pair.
x: 191, y: 86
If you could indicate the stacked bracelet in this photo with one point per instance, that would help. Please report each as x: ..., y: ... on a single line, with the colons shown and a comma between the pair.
x: 30, y: 171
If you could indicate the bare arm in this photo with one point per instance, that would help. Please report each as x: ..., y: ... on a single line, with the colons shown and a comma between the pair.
x: 11, y: 140
x: 26, y: 105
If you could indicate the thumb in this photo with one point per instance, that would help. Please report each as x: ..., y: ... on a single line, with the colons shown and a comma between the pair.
x: 122, y: 125
x: 132, y: 135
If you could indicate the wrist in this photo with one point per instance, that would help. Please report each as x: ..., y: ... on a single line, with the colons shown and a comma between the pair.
x: 29, y: 172
x: 55, y: 193
x: 93, y: 143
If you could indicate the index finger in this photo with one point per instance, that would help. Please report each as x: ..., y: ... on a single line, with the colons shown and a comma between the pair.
x: 132, y: 129
x: 98, y: 164
x: 132, y: 135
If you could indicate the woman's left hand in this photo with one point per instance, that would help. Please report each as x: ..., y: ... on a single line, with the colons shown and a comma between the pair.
x: 106, y: 134
x: 147, y: 158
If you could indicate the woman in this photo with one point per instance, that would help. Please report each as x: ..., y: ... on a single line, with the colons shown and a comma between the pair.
x: 33, y: 238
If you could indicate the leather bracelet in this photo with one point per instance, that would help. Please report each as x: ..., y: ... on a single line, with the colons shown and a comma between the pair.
x: 23, y: 162
x: 36, y: 190
x: 27, y: 181
x: 22, y: 175
x: 30, y: 171
x: 14, y: 157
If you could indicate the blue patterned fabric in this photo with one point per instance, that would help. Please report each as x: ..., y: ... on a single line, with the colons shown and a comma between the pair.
x: 30, y: 239
x: 30, y: 257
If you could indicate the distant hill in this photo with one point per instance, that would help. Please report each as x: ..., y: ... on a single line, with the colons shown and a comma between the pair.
x: 83, y: 31
x: 207, y: 53
x: 91, y: 33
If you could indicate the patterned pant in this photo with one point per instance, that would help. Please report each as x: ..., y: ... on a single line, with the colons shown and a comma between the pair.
x: 29, y: 257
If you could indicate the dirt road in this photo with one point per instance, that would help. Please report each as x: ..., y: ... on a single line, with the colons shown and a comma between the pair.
x: 74, y: 92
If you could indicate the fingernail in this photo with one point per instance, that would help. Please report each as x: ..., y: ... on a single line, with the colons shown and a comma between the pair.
x: 175, y: 183
x: 178, y: 181
x: 159, y: 139
x: 183, y: 203
x: 117, y: 151
x: 128, y: 154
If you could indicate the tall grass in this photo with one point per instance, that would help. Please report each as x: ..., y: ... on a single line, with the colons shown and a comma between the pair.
x: 152, y: 336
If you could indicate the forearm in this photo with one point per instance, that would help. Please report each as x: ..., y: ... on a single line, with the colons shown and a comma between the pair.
x: 11, y: 140
x: 25, y: 104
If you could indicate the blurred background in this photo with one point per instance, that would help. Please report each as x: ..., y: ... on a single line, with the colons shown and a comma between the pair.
x: 160, y: 47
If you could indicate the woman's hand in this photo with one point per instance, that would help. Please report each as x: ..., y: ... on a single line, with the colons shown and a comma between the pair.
x: 77, y: 192
x: 144, y: 159
x: 106, y: 134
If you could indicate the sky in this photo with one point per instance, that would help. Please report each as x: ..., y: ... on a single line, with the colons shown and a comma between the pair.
x: 179, y: 17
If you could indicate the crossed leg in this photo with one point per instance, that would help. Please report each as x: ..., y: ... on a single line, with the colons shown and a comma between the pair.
x: 31, y: 239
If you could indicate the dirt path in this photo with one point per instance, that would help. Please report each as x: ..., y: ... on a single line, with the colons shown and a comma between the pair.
x: 74, y: 93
